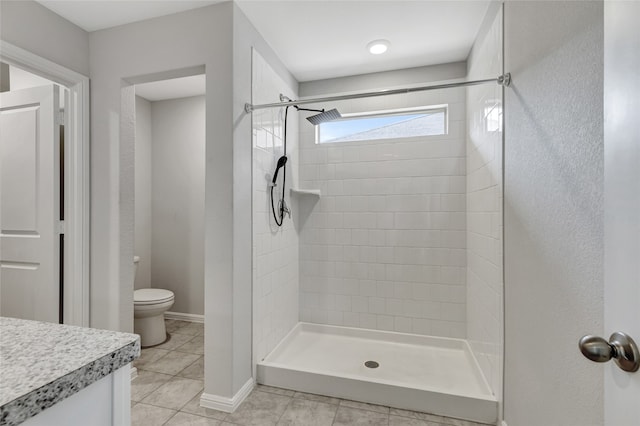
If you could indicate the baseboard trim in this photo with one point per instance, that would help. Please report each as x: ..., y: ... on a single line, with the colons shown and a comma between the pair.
x: 504, y: 423
x: 184, y: 317
x: 134, y: 372
x: 227, y: 405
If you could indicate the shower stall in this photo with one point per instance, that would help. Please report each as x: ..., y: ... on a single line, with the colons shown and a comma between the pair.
x: 385, y: 283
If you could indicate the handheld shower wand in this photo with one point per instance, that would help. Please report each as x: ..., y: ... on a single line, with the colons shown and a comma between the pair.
x: 322, y: 117
x: 281, y: 163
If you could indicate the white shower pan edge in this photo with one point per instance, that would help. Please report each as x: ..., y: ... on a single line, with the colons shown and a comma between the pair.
x: 329, y: 360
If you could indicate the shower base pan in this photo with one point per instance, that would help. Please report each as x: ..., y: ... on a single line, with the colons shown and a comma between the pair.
x: 412, y: 372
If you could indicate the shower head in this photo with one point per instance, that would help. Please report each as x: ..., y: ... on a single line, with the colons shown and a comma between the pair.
x: 324, y: 116
x: 281, y: 162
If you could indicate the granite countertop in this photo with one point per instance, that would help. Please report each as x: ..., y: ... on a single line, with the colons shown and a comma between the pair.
x: 43, y: 363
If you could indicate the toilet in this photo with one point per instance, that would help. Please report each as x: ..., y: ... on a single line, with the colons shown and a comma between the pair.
x: 149, y: 306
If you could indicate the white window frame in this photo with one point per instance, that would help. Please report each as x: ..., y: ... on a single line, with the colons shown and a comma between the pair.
x: 76, y: 120
x: 391, y: 112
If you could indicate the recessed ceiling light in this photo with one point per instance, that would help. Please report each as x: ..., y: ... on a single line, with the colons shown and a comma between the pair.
x: 378, y: 47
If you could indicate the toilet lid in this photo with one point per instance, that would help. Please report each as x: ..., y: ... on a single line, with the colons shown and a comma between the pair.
x: 149, y: 296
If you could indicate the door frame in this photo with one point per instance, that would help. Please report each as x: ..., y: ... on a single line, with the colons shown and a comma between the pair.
x: 77, y: 204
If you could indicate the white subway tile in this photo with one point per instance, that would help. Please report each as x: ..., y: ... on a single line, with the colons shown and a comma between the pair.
x: 352, y: 186
x: 351, y: 319
x: 359, y: 304
x: 368, y: 321
x: 377, y: 305
x: 335, y: 220
x: 385, y: 289
x: 384, y: 254
x: 458, y: 294
x: 334, y: 155
x: 431, y: 310
x: 335, y: 318
x: 343, y: 237
x: 457, y: 330
x: 343, y: 302
x: 326, y: 171
x: 351, y: 287
x: 403, y: 290
x: 420, y: 291
x: 397, y: 227
x: 403, y: 324
x: 412, y: 308
x: 385, y: 220
x: 305, y: 315
x: 385, y: 322
x: 413, y: 220
x: 334, y: 187
x: 319, y: 316
x: 454, y: 312
x: 343, y: 204
x: 421, y: 326
x: 377, y: 238
x: 368, y: 288
x: 359, y: 237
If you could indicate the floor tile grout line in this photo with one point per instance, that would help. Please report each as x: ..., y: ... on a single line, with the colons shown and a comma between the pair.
x: 173, y: 376
x: 156, y: 406
x: 169, y: 419
x: 333, y: 421
x: 285, y: 410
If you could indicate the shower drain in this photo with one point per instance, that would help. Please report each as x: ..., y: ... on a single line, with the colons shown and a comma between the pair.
x: 371, y: 364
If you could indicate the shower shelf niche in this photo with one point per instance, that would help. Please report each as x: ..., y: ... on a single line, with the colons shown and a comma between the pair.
x: 301, y: 192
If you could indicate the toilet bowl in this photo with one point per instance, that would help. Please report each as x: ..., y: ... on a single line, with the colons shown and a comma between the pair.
x: 149, y: 306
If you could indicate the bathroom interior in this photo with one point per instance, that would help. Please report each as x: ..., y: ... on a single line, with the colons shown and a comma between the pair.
x: 169, y: 204
x: 392, y: 249
x: 391, y: 229
x: 363, y: 242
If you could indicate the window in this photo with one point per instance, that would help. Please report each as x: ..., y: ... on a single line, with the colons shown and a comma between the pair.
x: 401, y: 123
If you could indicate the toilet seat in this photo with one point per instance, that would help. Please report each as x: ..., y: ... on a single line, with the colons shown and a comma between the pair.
x: 151, y: 296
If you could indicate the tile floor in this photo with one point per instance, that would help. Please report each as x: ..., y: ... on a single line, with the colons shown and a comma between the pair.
x: 171, y: 379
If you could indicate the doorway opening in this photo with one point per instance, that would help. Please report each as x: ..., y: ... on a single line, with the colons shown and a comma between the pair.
x: 44, y: 190
x: 169, y: 176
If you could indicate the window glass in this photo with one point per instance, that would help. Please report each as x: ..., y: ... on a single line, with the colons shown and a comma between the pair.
x: 388, y: 125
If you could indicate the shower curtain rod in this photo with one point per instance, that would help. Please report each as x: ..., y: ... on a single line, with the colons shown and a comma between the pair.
x: 503, y: 80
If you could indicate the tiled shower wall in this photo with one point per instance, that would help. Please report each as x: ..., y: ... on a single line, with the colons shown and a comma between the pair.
x: 484, y: 205
x: 384, y: 247
x: 275, y: 249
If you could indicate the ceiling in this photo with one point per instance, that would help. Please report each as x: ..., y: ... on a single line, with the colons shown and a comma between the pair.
x: 93, y: 15
x: 172, y: 89
x: 323, y: 39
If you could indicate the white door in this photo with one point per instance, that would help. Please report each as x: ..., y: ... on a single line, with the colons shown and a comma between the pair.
x: 622, y: 201
x: 29, y: 204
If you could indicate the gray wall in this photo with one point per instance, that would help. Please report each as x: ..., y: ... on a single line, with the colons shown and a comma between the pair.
x: 384, y: 80
x: 121, y: 57
x: 142, y: 242
x: 553, y: 211
x: 33, y: 27
x: 177, y: 237
x: 220, y: 38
